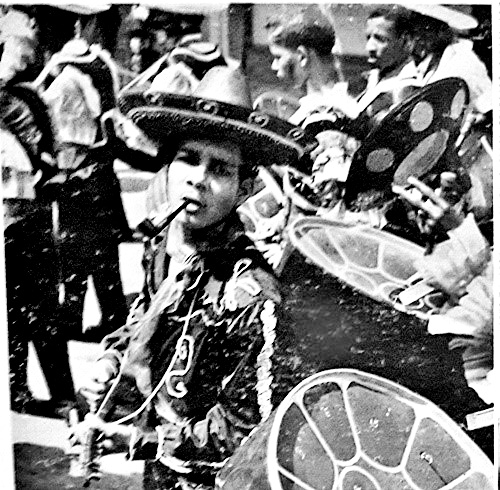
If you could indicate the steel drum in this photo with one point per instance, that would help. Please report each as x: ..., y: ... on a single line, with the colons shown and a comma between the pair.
x: 344, y: 429
x: 377, y: 263
x: 411, y: 139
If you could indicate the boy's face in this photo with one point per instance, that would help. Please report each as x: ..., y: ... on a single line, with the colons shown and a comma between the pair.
x: 207, y: 173
x: 286, y: 65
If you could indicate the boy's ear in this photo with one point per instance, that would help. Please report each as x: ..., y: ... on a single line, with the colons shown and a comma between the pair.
x: 408, y: 43
x: 245, y: 191
x: 303, y: 54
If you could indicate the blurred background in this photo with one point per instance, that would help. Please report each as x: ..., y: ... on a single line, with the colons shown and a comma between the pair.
x: 240, y: 30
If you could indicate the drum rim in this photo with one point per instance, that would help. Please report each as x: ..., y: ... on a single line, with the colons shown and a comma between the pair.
x: 344, y: 377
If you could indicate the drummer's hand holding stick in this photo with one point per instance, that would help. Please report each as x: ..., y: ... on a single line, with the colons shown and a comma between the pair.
x: 435, y: 212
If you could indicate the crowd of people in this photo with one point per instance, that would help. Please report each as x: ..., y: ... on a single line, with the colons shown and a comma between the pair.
x: 403, y: 57
x: 206, y: 342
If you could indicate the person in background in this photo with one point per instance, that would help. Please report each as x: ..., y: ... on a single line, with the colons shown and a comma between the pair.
x: 303, y: 58
x: 438, y: 51
x: 462, y: 266
x: 388, y: 49
x: 206, y: 342
x: 398, y: 39
x: 170, y: 29
x: 304, y: 61
x: 31, y: 260
x: 92, y: 220
x: 303, y: 53
x: 162, y: 43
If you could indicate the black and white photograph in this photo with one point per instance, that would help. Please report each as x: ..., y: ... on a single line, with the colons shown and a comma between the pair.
x: 248, y: 246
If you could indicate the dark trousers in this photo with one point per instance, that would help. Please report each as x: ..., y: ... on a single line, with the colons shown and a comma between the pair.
x: 31, y: 269
x: 102, y: 264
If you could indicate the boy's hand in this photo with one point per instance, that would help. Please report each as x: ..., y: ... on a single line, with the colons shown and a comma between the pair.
x: 78, y: 432
x: 111, y: 436
x: 99, y: 383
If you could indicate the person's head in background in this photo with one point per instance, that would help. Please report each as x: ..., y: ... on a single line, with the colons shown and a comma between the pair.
x: 388, y: 31
x: 302, y: 53
x: 429, y: 36
x: 169, y: 29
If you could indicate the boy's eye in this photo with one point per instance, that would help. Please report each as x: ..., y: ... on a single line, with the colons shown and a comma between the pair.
x: 186, y: 157
x: 222, y: 169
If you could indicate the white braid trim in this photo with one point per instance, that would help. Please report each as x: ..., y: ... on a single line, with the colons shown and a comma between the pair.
x: 264, y: 376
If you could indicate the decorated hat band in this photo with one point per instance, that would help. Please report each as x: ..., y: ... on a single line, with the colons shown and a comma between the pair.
x: 225, y: 112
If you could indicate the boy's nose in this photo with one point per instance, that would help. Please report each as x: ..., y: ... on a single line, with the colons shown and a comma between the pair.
x: 198, y: 176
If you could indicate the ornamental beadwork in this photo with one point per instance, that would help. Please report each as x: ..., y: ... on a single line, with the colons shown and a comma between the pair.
x: 296, y: 134
x: 208, y: 106
x: 153, y: 98
x: 259, y: 118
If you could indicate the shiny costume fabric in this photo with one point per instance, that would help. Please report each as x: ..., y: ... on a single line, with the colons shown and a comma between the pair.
x: 233, y: 364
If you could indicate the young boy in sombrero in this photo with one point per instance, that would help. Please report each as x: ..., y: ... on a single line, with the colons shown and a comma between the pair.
x: 204, y: 343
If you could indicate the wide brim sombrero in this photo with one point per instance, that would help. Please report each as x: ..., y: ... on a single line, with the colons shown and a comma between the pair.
x: 220, y: 108
x: 410, y: 140
x: 80, y: 9
x: 452, y: 15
